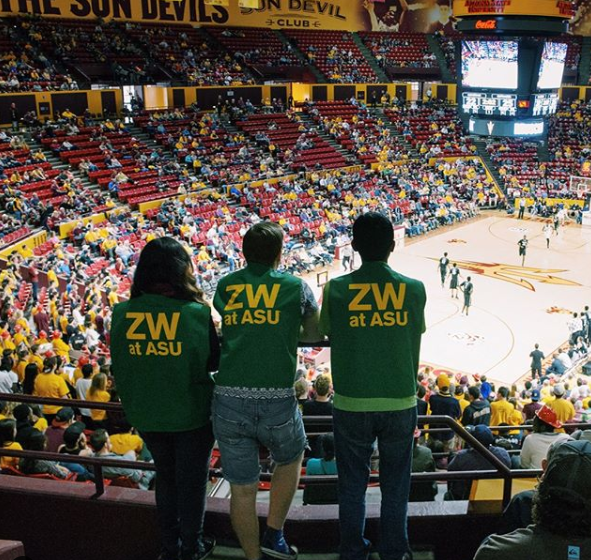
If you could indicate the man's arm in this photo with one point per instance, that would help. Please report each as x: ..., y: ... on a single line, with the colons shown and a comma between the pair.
x: 309, y: 331
x: 325, y: 312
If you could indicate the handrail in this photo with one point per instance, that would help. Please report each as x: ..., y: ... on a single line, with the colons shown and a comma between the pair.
x: 502, y: 471
x: 97, y: 463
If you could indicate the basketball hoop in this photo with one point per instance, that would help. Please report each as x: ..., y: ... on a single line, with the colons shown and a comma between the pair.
x: 581, y: 186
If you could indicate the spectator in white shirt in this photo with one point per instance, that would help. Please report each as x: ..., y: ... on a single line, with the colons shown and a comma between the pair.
x: 7, y: 377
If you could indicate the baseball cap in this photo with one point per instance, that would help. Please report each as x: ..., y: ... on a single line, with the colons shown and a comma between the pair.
x: 548, y: 416
x: 483, y: 434
x: 569, y: 468
x: 535, y: 395
x: 64, y: 414
x: 559, y: 389
x: 72, y: 433
x: 443, y: 380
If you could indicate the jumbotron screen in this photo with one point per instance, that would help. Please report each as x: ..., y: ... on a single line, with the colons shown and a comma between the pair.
x: 490, y: 64
x: 552, y: 66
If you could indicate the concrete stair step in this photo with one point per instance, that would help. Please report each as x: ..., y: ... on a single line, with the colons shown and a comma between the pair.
x: 226, y: 553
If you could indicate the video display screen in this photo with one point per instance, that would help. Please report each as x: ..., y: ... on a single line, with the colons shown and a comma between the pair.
x: 545, y: 104
x: 490, y: 64
x: 552, y: 66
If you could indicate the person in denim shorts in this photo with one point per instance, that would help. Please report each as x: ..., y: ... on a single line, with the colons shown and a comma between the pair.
x: 264, y: 314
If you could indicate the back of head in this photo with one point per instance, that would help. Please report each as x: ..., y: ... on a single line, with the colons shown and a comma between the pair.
x: 98, y: 439
x: 301, y: 388
x: 165, y: 268
x: 327, y: 444
x: 322, y: 385
x: 503, y: 392
x: 562, y: 504
x: 263, y: 243
x: 21, y: 412
x: 36, y: 441
x: 87, y: 370
x: 7, y: 427
x: 474, y: 392
x: 373, y: 236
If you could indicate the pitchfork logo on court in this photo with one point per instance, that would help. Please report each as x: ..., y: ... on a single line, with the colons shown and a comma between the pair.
x: 519, y: 275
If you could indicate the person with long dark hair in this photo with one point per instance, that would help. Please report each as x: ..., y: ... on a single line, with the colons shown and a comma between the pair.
x: 163, y: 346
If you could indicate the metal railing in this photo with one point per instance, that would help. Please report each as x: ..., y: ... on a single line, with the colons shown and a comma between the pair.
x: 499, y: 470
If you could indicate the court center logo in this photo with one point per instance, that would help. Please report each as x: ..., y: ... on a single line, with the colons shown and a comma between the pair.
x: 518, y: 275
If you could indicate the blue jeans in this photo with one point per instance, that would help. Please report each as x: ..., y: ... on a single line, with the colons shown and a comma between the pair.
x: 182, y: 472
x: 355, y: 434
x: 240, y: 425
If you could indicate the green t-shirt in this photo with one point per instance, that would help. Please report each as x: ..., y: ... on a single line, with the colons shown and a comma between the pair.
x: 261, y: 311
x: 374, y: 318
x: 159, y: 348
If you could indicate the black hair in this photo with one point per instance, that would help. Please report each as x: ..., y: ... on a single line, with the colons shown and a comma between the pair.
x: 373, y: 236
x: 165, y: 268
x: 31, y: 373
x: 474, y: 392
x: 7, y: 427
x: 503, y: 392
x: 540, y: 427
x: 327, y: 445
x: 262, y: 243
x: 36, y: 441
x: 49, y: 364
x: 87, y: 370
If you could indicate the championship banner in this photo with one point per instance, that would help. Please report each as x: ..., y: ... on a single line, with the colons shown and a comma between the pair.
x: 418, y: 16
x: 563, y: 9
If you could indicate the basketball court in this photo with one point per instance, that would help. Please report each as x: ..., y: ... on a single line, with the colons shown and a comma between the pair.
x: 513, y: 307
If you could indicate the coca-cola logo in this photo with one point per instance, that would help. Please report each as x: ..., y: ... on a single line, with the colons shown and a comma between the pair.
x: 486, y: 24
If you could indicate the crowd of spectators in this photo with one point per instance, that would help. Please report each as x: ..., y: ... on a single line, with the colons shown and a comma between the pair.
x: 25, y: 67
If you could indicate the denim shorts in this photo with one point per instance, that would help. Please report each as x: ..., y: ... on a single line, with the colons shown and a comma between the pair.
x: 242, y: 424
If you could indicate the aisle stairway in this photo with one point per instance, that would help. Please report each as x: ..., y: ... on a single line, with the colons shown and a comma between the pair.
x: 585, y: 62
x: 488, y: 162
x: 310, y: 123
x: 446, y: 76
x: 56, y: 162
x: 378, y: 113
x: 320, y: 77
x: 371, y: 59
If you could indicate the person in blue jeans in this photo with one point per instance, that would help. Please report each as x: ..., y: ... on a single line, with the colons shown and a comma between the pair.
x: 374, y: 317
x: 264, y: 313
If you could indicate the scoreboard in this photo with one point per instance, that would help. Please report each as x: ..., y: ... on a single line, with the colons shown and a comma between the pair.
x: 490, y: 104
x: 508, y: 86
x: 545, y: 104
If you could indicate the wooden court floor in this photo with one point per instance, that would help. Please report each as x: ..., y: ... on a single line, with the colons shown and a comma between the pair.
x: 513, y: 306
